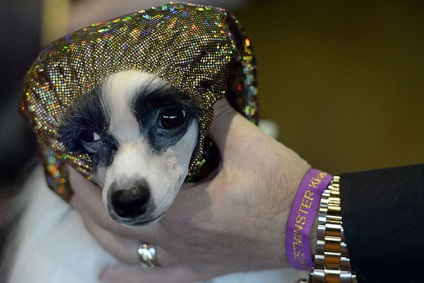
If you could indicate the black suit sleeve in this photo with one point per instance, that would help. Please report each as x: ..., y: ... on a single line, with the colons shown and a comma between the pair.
x: 383, y: 218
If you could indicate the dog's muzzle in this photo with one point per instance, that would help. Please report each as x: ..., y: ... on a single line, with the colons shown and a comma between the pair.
x: 130, y: 200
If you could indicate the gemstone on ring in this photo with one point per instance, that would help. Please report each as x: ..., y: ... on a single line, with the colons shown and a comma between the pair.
x: 147, y: 255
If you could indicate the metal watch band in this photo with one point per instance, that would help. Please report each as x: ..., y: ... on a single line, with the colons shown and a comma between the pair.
x: 331, y: 263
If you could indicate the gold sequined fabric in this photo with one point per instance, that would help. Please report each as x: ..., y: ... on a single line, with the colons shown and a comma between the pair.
x: 200, y: 50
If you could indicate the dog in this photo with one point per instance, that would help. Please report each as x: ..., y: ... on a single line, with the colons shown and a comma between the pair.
x: 150, y: 132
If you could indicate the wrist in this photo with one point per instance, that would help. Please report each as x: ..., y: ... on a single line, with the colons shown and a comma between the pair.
x: 302, y: 218
x: 313, y: 235
x: 331, y: 259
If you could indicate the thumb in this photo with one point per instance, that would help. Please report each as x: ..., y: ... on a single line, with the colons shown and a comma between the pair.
x: 229, y: 127
x: 223, y: 116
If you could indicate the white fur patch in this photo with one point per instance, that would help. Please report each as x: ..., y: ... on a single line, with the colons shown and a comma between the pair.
x: 52, y: 242
x: 118, y: 93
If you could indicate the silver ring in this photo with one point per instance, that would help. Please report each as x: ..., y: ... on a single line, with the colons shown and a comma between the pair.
x: 147, y: 254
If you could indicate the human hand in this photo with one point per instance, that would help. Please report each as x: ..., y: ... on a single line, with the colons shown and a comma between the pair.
x: 232, y: 222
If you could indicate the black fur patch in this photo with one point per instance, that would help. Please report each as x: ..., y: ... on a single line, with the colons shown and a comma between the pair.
x: 77, y: 131
x: 83, y: 129
x: 147, y: 109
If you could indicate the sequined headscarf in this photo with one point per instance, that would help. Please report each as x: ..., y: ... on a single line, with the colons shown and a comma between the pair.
x: 200, y: 50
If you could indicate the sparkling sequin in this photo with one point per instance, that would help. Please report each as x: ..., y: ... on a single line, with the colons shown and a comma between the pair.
x: 201, y: 50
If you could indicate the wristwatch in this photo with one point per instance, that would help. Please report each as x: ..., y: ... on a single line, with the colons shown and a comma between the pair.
x: 331, y: 263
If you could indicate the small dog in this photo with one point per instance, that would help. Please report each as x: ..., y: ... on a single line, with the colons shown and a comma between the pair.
x: 138, y: 129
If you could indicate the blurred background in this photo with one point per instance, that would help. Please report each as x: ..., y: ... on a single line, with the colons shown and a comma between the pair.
x: 343, y: 80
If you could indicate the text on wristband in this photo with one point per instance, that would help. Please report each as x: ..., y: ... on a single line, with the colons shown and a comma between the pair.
x: 303, y: 213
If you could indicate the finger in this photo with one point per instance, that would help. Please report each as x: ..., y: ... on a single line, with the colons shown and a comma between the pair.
x: 81, y: 186
x: 89, y: 196
x: 181, y: 216
x: 87, y: 200
x: 134, y: 274
x: 230, y: 129
x: 223, y: 115
x: 122, y: 248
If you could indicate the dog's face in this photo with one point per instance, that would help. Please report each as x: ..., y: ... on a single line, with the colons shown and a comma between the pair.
x: 140, y: 133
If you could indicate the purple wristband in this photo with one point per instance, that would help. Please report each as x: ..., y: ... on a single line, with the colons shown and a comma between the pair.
x: 302, y: 216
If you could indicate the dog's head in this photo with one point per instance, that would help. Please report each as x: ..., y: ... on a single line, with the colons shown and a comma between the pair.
x: 140, y: 133
x: 131, y: 132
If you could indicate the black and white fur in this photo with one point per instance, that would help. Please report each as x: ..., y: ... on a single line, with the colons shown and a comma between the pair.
x: 141, y: 133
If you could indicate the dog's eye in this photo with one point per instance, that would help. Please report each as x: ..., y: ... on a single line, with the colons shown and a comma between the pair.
x: 171, y: 118
x: 89, y: 136
x: 89, y: 141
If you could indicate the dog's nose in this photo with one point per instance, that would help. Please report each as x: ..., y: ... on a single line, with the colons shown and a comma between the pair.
x: 132, y: 201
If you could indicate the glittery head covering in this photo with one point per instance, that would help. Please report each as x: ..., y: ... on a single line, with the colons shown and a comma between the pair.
x: 200, y: 50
